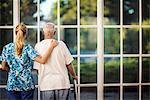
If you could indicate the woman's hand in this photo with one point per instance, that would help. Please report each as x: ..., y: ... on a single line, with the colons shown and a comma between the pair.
x: 43, y: 59
x: 54, y: 43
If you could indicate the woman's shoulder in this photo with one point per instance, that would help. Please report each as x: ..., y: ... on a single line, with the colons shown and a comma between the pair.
x: 9, y: 45
x: 27, y: 46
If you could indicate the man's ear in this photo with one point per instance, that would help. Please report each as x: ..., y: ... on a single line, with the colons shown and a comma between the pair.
x: 54, y: 32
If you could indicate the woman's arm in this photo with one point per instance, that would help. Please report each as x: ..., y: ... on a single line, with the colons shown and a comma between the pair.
x: 43, y: 59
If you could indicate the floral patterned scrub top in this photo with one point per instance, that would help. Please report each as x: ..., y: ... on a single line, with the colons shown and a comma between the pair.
x: 19, y: 75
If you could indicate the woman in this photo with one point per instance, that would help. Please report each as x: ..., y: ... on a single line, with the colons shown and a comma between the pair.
x: 19, y: 56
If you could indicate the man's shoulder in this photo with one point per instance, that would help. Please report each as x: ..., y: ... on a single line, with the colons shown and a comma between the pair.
x: 62, y: 43
x: 39, y: 43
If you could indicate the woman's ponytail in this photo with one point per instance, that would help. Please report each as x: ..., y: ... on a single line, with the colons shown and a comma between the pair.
x: 20, y: 36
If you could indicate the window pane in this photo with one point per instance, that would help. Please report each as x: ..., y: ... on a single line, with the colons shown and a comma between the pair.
x: 68, y: 12
x: 111, y: 93
x: 146, y: 41
x: 130, y: 12
x: 146, y: 12
x: 6, y: 17
x: 88, y: 12
x: 6, y: 36
x: 89, y: 93
x: 146, y: 92
x: 111, y: 12
x: 35, y: 97
x: 88, y: 41
x: 35, y: 76
x: 48, y: 11
x: 146, y: 69
x: 130, y: 70
x: 28, y: 11
x: 131, y: 41
x: 32, y: 36
x: 111, y: 41
x: 69, y: 36
x: 88, y: 70
x: 112, y: 70
x: 130, y: 93
x: 3, y: 94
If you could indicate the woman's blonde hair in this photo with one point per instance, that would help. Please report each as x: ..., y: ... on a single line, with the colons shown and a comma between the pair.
x: 21, y: 32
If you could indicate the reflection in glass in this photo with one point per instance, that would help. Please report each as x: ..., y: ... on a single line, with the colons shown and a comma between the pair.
x: 130, y: 93
x: 69, y: 36
x: 68, y: 12
x: 32, y: 37
x: 146, y: 92
x: 131, y: 41
x: 146, y: 69
x: 88, y: 93
x: 6, y: 17
x: 146, y: 12
x: 28, y: 11
x: 88, y: 12
x: 111, y: 93
x: 111, y: 12
x: 88, y: 70
x: 112, y: 69
x: 130, y: 70
x: 88, y: 41
x: 48, y: 11
x: 146, y: 41
x: 111, y: 41
x: 3, y: 94
x: 130, y: 12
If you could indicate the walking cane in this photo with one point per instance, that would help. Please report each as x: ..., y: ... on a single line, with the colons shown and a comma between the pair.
x: 75, y: 89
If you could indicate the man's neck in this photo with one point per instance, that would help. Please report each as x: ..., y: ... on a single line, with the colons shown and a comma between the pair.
x: 48, y: 37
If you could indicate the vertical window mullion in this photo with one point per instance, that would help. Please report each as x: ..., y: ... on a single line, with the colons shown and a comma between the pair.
x: 78, y: 45
x: 16, y: 15
x: 58, y: 19
x: 140, y: 47
x: 121, y: 50
x: 100, y: 50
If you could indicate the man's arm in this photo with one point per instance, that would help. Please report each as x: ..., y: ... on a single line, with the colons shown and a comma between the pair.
x: 71, y: 71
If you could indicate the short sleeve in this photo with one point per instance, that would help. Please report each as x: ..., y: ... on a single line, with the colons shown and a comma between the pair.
x: 31, y: 52
x: 36, y: 64
x: 68, y: 56
x: 4, y: 54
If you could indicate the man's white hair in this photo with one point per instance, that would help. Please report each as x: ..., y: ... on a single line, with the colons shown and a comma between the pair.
x: 50, y: 27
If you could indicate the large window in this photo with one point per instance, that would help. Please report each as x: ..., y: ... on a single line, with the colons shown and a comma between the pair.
x: 125, y: 46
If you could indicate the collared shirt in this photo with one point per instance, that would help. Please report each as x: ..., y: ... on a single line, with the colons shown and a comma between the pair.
x: 54, y: 74
x: 19, y: 75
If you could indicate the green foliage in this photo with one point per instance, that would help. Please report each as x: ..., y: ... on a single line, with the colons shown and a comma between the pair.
x: 111, y: 41
x: 88, y: 72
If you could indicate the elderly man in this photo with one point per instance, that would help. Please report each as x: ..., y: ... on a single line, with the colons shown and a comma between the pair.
x: 53, y: 76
